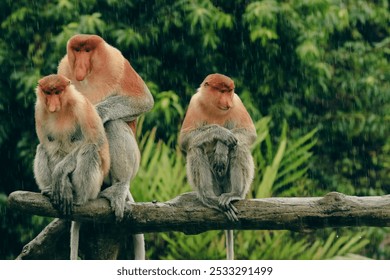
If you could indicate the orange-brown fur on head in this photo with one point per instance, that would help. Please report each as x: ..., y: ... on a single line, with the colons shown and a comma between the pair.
x: 50, y: 91
x: 80, y: 49
x: 94, y: 67
x: 60, y: 109
x: 99, y: 70
x: 215, y: 102
x: 217, y: 90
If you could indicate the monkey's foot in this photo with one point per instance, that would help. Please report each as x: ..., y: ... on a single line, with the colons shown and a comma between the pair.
x: 232, y: 216
x: 225, y: 203
x: 47, y: 192
x: 62, y: 198
x: 117, y: 198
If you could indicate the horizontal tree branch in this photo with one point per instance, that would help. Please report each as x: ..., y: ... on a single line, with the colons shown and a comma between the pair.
x: 185, y: 213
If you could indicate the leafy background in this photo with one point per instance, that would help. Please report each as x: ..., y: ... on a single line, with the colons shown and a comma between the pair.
x: 314, y: 75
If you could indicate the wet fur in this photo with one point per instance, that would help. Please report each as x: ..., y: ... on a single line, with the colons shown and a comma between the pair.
x: 215, y: 137
x: 120, y: 97
x: 72, y: 157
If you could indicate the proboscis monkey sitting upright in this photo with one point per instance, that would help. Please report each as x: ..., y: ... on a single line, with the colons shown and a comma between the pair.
x: 72, y: 157
x: 216, y: 135
x: 101, y: 73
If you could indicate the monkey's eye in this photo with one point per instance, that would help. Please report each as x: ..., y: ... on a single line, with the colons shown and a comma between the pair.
x: 57, y: 92
x: 77, y: 49
x: 46, y: 92
x: 222, y: 91
x: 87, y: 50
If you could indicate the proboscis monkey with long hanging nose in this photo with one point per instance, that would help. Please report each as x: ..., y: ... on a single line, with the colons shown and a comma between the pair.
x: 216, y: 135
x: 72, y: 157
x: 101, y: 73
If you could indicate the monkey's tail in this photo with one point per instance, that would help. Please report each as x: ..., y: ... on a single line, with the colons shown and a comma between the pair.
x: 139, y: 246
x: 229, y: 245
x: 74, y: 240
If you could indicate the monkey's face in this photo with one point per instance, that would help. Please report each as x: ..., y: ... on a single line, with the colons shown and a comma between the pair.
x: 51, y: 89
x: 218, y: 92
x: 81, y: 48
x: 53, y: 100
x: 220, y: 96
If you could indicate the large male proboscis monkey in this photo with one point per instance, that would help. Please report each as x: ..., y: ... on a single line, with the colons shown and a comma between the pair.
x: 216, y: 135
x: 101, y: 73
x: 72, y: 157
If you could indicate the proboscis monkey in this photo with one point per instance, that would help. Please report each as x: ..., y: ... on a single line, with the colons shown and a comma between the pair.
x: 101, y: 73
x: 72, y: 157
x: 216, y: 135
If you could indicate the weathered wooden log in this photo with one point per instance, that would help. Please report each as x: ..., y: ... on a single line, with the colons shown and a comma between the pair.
x: 186, y: 214
x: 51, y: 243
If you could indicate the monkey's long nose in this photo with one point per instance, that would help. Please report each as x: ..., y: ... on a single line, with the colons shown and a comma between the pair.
x: 81, y: 68
x: 54, y: 104
x: 226, y: 104
x: 81, y: 72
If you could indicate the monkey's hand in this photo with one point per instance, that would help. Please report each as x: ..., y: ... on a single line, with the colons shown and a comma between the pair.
x: 117, y: 198
x: 208, y: 134
x: 230, y: 140
x: 225, y: 203
x: 219, y: 133
x: 220, y: 164
x: 62, y: 197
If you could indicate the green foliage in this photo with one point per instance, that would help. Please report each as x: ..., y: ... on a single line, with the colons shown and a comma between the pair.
x: 319, y: 66
x: 261, y: 17
x: 282, y: 170
x: 162, y: 173
x: 284, y: 245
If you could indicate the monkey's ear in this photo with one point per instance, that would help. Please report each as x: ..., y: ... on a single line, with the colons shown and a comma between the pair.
x: 206, y: 84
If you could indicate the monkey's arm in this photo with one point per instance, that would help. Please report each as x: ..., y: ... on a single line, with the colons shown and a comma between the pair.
x: 245, y: 136
x: 63, y: 185
x: 43, y: 170
x: 200, y: 177
x: 127, y: 108
x: 206, y: 134
x: 241, y: 170
x: 62, y: 196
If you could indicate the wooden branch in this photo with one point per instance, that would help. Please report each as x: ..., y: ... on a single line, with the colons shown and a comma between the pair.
x: 45, y: 245
x: 185, y: 213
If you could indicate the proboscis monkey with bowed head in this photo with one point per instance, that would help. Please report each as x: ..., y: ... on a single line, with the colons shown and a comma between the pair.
x: 216, y: 135
x: 101, y: 73
x: 72, y: 157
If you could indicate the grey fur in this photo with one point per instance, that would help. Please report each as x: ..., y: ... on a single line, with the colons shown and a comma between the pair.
x: 124, y: 165
x: 115, y: 111
x: 124, y: 107
x: 69, y: 173
x: 219, y: 165
x: 220, y: 168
